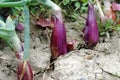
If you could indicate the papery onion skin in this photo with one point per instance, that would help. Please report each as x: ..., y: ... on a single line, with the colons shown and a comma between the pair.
x: 27, y: 75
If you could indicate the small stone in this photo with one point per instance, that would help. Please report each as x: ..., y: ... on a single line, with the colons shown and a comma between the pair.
x: 82, y: 78
x: 89, y: 57
x: 99, y: 76
x: 37, y: 43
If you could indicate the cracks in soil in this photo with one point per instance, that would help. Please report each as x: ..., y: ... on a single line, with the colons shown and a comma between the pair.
x: 11, y: 68
x: 115, y: 75
x: 118, y: 55
x: 38, y: 73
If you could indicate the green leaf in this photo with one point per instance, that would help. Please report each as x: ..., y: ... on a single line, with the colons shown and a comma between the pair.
x: 19, y: 8
x: 77, y: 5
x: 10, y: 23
x: 2, y: 24
x: 84, y: 1
x: 83, y: 9
x: 26, y: 33
x: 8, y: 34
x: 85, y: 4
x: 74, y: 15
x: 74, y: 0
x: 43, y: 1
x: 65, y: 2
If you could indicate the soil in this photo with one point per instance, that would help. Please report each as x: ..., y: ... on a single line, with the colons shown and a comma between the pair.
x: 100, y: 63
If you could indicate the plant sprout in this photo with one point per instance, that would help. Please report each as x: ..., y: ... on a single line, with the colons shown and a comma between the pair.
x: 91, y: 34
x: 9, y: 35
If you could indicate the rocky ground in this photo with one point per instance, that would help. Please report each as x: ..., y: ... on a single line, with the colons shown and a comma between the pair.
x: 100, y: 63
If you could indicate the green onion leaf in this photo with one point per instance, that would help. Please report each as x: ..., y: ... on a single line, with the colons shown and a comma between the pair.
x: 26, y: 33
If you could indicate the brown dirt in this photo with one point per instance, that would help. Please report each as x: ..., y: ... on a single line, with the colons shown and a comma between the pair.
x: 100, y: 63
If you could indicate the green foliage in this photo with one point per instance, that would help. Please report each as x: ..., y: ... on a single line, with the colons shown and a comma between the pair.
x: 10, y: 27
x: 84, y: 7
x: 65, y: 2
x: 17, y: 11
x: 26, y: 33
x: 108, y: 26
x: 84, y: 1
x: 39, y: 10
x: 8, y: 34
x: 72, y: 8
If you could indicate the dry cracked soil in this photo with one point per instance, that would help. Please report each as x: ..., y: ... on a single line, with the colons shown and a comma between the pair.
x: 100, y: 63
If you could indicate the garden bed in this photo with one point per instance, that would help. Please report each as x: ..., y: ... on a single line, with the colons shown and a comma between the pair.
x: 100, y: 63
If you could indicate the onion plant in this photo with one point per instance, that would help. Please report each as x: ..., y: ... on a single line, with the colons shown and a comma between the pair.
x: 58, y: 39
x: 91, y: 34
x: 8, y: 34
